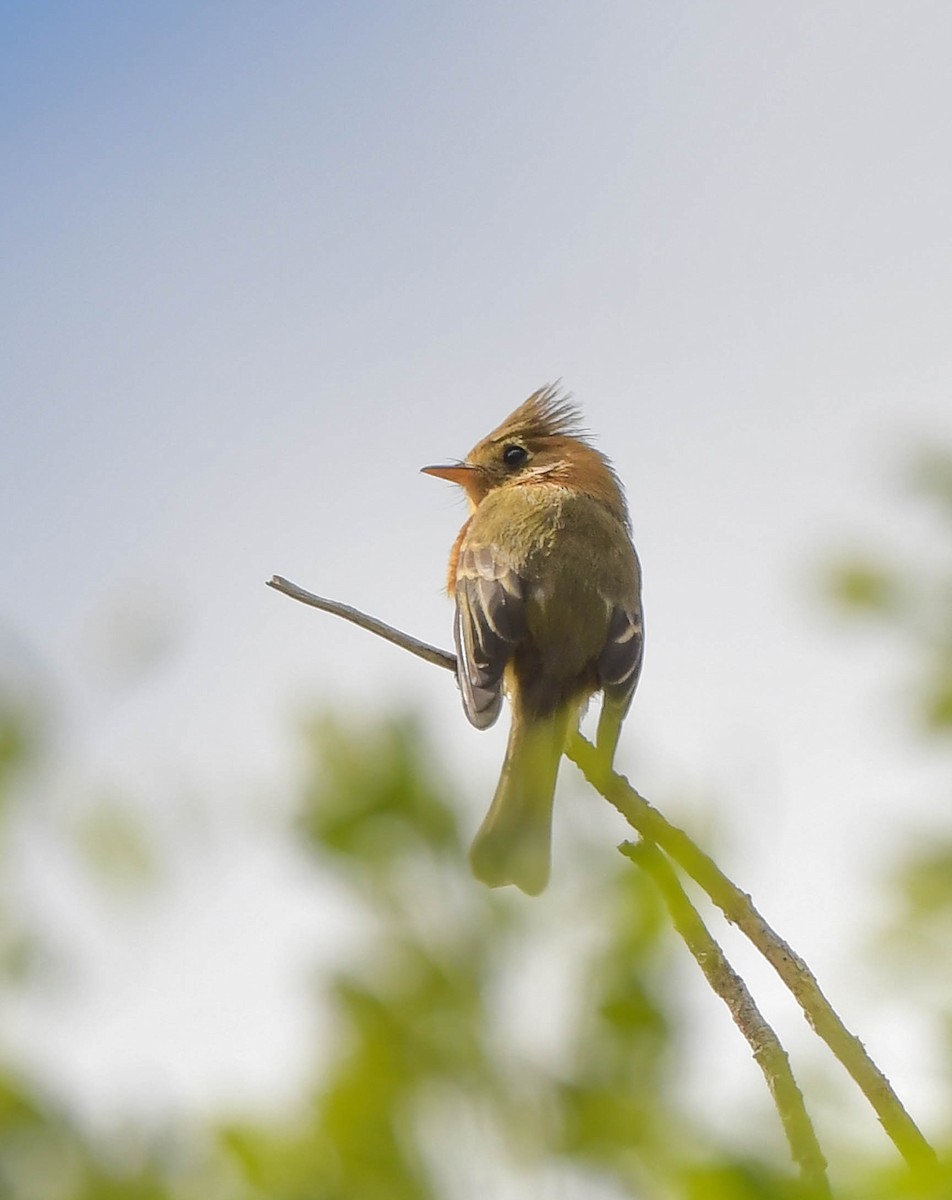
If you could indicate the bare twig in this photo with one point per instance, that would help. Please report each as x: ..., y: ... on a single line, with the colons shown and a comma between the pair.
x: 735, y: 904
x: 432, y: 654
x: 768, y: 1052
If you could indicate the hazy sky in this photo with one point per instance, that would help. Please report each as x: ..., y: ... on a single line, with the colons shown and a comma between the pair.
x: 262, y: 262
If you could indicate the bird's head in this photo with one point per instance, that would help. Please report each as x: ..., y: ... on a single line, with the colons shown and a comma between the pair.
x: 542, y: 443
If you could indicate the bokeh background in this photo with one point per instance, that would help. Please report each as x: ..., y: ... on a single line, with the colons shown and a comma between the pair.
x: 263, y: 262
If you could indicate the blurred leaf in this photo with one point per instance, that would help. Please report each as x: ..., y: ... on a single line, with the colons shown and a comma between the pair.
x: 895, y: 1183
x: 20, y: 957
x: 116, y: 846
x: 931, y: 474
x: 616, y: 1107
x: 925, y: 883
x: 864, y: 585
x: 937, y: 703
x: 372, y: 795
x: 19, y: 738
x: 43, y: 1156
x: 604, y: 1124
x: 742, y: 1181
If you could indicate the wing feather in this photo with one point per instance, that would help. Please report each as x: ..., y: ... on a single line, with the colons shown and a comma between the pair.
x: 619, y: 663
x: 490, y: 622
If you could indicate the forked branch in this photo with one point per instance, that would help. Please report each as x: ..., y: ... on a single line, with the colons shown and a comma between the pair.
x: 767, y: 1049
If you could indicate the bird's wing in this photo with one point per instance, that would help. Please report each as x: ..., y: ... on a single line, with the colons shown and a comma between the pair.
x: 619, y: 664
x: 490, y: 621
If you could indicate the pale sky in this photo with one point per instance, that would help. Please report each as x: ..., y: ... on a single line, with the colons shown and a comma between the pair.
x: 262, y: 262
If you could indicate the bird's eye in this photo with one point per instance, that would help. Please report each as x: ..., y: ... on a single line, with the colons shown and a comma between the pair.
x: 514, y: 456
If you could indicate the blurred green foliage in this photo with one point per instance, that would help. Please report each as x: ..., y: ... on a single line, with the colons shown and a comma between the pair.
x: 428, y: 1093
x: 116, y: 847
x: 426, y: 1097
x: 418, y: 1028
x: 911, y: 598
x: 866, y: 586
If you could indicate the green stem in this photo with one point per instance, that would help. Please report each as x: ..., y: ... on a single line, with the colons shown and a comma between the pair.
x: 740, y: 911
x: 768, y: 1052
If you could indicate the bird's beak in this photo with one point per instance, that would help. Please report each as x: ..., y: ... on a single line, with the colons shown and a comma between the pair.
x: 461, y: 473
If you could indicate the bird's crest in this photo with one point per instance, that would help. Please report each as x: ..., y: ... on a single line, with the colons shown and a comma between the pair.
x: 547, y: 413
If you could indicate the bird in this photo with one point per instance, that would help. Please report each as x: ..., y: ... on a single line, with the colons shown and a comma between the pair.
x: 547, y: 587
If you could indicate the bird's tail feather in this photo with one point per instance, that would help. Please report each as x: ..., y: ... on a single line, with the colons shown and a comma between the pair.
x: 513, y: 842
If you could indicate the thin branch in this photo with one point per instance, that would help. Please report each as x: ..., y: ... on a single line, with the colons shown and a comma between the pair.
x: 739, y: 909
x: 768, y: 1052
x: 432, y: 654
x: 735, y: 904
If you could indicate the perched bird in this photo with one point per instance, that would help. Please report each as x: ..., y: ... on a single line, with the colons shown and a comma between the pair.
x: 548, y: 610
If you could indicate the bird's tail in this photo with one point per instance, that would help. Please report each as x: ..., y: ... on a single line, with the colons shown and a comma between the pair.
x: 513, y: 842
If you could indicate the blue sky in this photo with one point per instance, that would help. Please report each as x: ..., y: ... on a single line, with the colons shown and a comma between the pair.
x: 261, y: 263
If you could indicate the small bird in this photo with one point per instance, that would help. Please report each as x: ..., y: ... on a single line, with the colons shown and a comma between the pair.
x: 548, y: 610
